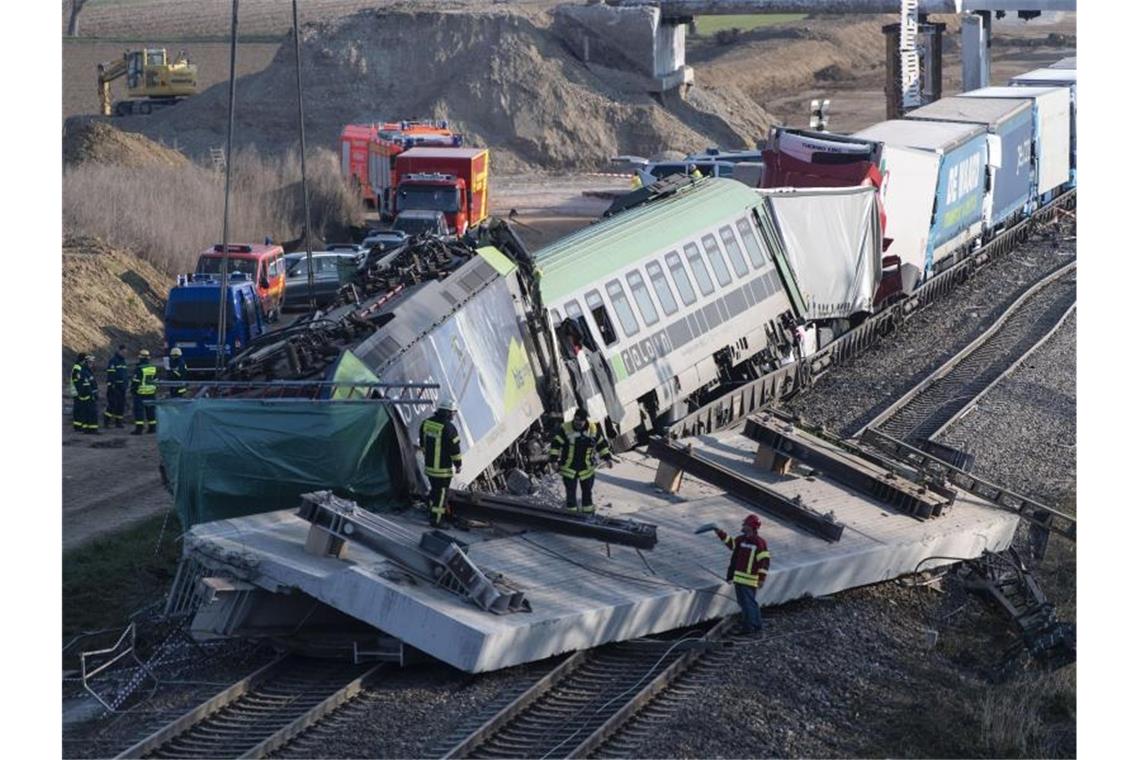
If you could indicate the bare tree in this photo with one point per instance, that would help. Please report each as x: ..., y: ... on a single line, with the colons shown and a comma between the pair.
x: 73, y: 20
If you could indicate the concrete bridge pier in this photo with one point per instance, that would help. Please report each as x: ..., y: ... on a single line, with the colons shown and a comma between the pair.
x: 976, y: 36
x: 636, y: 38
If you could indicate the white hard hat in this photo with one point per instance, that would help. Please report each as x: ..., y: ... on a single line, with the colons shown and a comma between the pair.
x: 447, y: 404
x: 176, y: 351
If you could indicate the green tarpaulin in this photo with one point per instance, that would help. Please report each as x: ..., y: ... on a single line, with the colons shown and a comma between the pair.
x: 232, y: 457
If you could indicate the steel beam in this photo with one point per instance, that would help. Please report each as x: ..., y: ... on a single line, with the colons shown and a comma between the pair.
x: 784, y: 438
x: 517, y: 511
x: 1032, y: 511
x: 756, y: 495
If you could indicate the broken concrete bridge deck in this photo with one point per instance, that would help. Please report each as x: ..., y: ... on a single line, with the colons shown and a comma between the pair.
x: 584, y: 593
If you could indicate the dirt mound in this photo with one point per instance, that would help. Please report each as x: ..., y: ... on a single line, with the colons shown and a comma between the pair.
x: 110, y: 296
x: 501, y: 77
x: 86, y: 139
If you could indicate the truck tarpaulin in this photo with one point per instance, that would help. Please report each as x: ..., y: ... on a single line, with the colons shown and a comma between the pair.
x: 832, y: 240
x: 233, y: 457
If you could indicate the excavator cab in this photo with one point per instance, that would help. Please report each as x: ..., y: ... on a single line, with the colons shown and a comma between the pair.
x: 153, y: 81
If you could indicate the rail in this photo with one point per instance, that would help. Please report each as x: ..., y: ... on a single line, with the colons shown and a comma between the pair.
x: 584, y: 701
x: 258, y: 713
x: 947, y: 392
x: 734, y: 406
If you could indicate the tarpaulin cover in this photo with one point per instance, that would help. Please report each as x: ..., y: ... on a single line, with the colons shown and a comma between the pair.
x: 833, y: 243
x: 233, y: 457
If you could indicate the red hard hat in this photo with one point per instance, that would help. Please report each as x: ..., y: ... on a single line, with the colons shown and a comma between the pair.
x: 752, y: 521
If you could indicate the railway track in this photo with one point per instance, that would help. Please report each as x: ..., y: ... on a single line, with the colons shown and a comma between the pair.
x: 955, y: 387
x: 597, y: 703
x: 259, y: 713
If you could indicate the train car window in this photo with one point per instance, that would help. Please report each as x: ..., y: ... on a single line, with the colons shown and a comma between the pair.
x: 716, y: 258
x: 680, y: 278
x: 573, y: 310
x: 661, y: 287
x: 601, y: 317
x: 555, y: 317
x: 641, y: 295
x: 621, y: 305
x: 700, y: 271
x: 733, y: 249
x: 751, y: 244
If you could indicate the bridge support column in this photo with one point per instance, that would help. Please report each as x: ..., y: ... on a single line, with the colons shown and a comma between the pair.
x: 634, y: 38
x: 976, y: 35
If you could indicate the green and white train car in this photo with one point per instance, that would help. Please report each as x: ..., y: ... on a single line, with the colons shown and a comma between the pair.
x: 659, y: 302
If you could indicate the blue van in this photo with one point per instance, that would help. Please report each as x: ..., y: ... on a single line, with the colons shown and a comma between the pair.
x: 191, y: 321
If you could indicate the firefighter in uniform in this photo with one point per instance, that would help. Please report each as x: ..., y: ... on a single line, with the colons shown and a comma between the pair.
x: 143, y: 389
x: 748, y: 568
x: 439, y: 440
x: 73, y: 387
x: 575, y: 449
x: 85, y: 392
x: 177, y: 372
x: 118, y: 378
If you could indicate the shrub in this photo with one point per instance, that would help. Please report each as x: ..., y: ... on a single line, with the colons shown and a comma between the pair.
x: 168, y: 215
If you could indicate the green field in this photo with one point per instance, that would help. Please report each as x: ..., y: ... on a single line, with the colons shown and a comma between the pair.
x: 108, y: 579
x: 709, y: 25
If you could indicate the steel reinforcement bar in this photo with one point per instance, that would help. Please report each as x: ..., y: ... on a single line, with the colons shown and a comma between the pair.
x: 733, y: 407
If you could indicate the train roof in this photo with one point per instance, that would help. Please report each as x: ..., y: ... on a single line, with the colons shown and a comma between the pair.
x: 992, y: 111
x: 595, y: 252
x: 1056, y: 77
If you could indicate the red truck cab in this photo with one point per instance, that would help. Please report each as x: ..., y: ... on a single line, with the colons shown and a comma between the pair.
x: 368, y: 152
x: 263, y: 264
x: 451, y: 180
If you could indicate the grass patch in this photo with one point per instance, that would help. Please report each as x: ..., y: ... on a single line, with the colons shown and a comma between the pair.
x: 746, y: 22
x: 111, y: 577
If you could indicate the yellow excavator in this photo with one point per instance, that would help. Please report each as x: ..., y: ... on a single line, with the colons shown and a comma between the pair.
x: 152, y: 81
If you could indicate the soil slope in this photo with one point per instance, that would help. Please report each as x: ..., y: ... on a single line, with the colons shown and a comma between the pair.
x: 110, y: 296
x: 501, y: 77
x: 87, y: 139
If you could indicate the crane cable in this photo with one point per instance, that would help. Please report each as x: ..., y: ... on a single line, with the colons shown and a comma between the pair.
x: 304, y: 175
x: 223, y: 288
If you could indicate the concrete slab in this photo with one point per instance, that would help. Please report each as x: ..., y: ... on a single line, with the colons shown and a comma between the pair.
x: 584, y: 593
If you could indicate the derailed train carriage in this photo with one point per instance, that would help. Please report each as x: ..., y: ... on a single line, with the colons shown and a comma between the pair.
x: 636, y: 317
x: 691, y: 288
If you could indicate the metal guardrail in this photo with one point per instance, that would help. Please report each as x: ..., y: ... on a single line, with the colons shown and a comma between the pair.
x: 124, y: 647
x: 733, y: 407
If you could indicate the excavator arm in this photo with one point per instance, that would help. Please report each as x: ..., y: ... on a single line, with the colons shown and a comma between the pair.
x: 107, y: 73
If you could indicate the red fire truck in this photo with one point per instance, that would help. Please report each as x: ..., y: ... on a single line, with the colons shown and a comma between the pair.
x: 451, y: 180
x: 367, y: 152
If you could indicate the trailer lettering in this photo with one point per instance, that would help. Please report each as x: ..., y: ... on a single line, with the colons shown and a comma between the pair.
x: 964, y: 177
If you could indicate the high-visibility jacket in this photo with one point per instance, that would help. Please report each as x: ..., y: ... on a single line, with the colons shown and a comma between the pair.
x: 573, y: 450
x: 750, y: 558
x: 73, y: 386
x: 177, y: 372
x: 86, y: 386
x: 439, y: 440
x: 142, y: 384
x: 118, y: 374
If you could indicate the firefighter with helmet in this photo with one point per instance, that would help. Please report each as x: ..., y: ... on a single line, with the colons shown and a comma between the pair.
x: 118, y: 378
x: 143, y: 390
x: 177, y: 373
x: 575, y: 450
x: 439, y: 441
x: 85, y: 395
x: 748, y: 567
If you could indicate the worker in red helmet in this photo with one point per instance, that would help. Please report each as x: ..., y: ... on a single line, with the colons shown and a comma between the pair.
x: 748, y: 568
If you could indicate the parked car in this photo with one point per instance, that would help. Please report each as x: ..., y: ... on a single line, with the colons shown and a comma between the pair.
x: 387, y: 239
x: 331, y: 271
x: 415, y: 222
